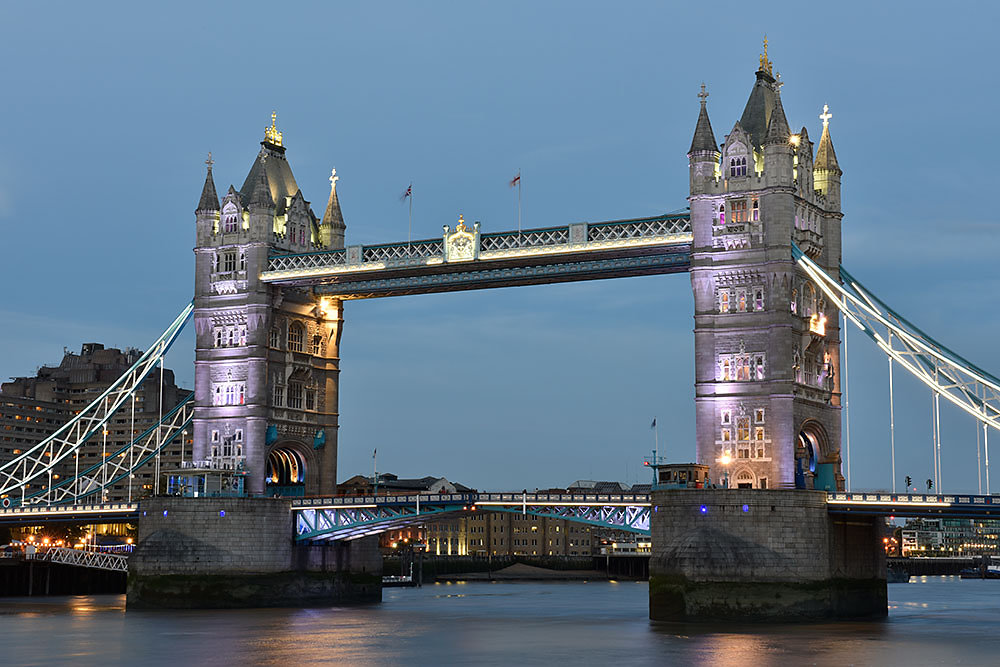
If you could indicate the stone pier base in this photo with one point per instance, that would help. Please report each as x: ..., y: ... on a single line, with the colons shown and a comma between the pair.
x: 239, y: 552
x: 751, y: 554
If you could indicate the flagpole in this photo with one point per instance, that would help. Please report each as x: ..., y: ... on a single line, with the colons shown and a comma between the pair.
x: 519, y: 207
x: 409, y: 226
x: 375, y: 470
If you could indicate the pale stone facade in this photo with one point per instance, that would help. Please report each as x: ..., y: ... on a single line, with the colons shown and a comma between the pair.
x: 767, y: 344
x: 267, y: 357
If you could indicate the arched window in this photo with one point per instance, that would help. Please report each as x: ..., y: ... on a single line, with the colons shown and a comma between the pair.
x: 755, y: 211
x: 726, y: 372
x: 722, y: 214
x: 243, y: 260
x: 274, y: 339
x: 742, y: 303
x: 758, y: 299
x: 724, y: 302
x: 230, y: 218
x: 296, y: 337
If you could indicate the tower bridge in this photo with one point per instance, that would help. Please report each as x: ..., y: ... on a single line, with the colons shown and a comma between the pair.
x: 761, y: 243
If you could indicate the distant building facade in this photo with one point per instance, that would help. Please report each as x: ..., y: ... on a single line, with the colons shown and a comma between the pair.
x: 950, y: 537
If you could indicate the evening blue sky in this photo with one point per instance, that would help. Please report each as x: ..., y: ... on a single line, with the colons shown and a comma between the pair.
x: 109, y: 111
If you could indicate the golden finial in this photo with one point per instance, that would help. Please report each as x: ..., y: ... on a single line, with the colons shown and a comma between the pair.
x: 826, y: 116
x: 460, y: 227
x: 765, y: 62
x: 271, y: 134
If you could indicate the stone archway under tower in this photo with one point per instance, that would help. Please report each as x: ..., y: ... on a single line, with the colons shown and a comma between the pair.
x: 816, y: 465
x: 291, y: 470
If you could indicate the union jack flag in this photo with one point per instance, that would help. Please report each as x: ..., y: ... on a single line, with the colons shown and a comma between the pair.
x: 407, y: 193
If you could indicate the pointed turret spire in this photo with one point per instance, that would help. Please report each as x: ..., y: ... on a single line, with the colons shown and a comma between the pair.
x: 826, y: 158
x: 261, y: 194
x: 704, y: 138
x: 777, y: 128
x: 209, y: 200
x: 333, y: 216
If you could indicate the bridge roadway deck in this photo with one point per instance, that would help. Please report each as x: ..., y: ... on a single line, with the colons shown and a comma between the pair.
x: 574, y: 252
x: 403, y: 509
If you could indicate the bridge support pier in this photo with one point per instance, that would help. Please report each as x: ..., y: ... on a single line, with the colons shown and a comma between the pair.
x: 239, y: 552
x: 752, y: 554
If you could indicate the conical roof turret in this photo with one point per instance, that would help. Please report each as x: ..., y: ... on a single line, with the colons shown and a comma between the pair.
x: 209, y: 199
x: 704, y: 138
x: 826, y: 157
x: 777, y: 129
x: 260, y: 196
x: 333, y: 215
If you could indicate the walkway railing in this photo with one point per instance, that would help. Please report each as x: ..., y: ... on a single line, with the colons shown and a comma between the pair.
x: 674, y: 228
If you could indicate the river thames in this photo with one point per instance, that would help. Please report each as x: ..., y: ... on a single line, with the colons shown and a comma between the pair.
x: 932, y: 620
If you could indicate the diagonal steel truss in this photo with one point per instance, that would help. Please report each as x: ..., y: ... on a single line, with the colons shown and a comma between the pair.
x: 122, y: 463
x: 630, y: 518
x: 946, y: 373
x: 36, y: 465
x: 346, y: 519
x: 83, y: 558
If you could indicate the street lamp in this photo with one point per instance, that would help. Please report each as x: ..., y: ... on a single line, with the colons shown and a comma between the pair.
x: 726, y: 460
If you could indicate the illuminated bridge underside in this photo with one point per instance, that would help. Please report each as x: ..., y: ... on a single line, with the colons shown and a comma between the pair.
x: 349, y: 518
x: 580, y: 251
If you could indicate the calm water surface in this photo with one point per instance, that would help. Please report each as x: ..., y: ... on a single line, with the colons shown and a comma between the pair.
x: 932, y: 620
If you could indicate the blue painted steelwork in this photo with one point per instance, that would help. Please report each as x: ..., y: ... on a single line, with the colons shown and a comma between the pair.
x: 344, y: 518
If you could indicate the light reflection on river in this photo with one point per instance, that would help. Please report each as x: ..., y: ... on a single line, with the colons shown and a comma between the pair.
x: 932, y: 620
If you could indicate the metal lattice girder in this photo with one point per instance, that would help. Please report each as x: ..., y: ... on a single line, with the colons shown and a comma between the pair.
x: 522, y: 245
x: 346, y: 518
x: 121, y: 463
x: 36, y: 465
x: 82, y: 558
x: 630, y: 518
x: 945, y: 372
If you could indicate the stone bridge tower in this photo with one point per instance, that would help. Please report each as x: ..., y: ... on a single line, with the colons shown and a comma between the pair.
x: 767, y: 343
x: 266, y: 357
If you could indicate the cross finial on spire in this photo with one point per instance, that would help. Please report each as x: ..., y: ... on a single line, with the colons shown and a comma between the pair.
x: 334, y: 178
x: 826, y: 116
x: 210, y: 161
x: 703, y: 95
x: 765, y: 62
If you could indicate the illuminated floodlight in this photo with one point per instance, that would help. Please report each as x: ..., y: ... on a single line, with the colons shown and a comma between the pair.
x: 704, y: 509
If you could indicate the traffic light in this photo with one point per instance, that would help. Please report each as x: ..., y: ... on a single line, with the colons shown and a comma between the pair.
x: 930, y: 484
x: 909, y: 481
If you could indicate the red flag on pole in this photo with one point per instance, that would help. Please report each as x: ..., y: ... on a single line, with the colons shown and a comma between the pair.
x: 516, y: 180
x: 407, y: 193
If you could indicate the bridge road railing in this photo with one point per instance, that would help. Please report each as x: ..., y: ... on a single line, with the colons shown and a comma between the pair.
x: 673, y: 228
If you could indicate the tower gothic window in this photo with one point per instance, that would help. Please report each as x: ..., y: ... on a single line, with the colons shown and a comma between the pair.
x: 722, y: 214
x: 229, y: 261
x: 277, y: 395
x: 296, y: 336
x: 274, y: 339
x: 295, y: 395
x: 737, y: 166
x: 739, y: 210
x: 755, y: 211
x: 724, y: 302
x: 243, y: 260
x: 758, y: 299
x: 310, y: 399
x: 741, y: 304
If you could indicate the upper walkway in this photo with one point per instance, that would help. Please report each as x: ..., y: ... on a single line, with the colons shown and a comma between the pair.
x: 464, y: 259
